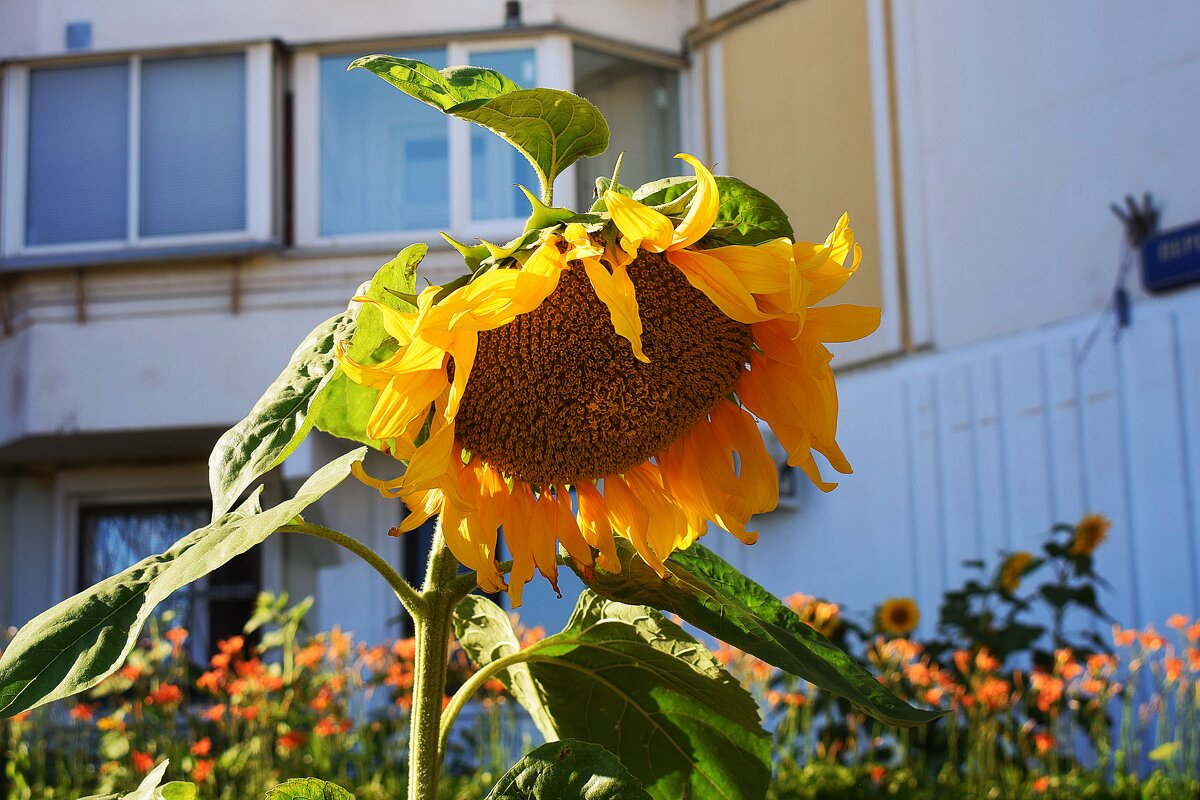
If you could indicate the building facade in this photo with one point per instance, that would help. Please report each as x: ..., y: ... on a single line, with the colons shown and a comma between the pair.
x: 187, y: 190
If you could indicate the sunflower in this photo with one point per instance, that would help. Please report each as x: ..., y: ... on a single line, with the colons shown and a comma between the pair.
x: 1013, y: 569
x: 1090, y: 533
x: 608, y: 382
x: 898, y: 616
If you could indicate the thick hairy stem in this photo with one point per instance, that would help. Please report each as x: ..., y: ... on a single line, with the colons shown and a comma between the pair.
x: 429, y: 672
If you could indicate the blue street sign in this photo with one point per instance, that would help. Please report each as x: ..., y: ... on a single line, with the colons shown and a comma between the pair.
x: 1171, y: 258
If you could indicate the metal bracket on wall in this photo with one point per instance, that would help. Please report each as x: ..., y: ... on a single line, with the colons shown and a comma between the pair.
x: 80, y: 298
x: 235, y: 287
x: 6, y: 314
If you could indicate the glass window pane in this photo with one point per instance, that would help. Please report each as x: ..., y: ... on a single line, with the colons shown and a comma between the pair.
x: 641, y: 104
x: 78, y: 163
x: 385, y: 160
x: 193, y: 145
x: 496, y: 166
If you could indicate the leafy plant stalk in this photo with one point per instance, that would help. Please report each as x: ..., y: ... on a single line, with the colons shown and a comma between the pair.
x: 433, y: 629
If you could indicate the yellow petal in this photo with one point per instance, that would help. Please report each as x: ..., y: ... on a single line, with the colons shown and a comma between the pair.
x: 630, y: 519
x: 390, y: 489
x: 616, y: 291
x: 398, y: 324
x: 762, y: 269
x: 462, y: 350
x: 405, y: 398
x: 517, y: 537
x: 594, y: 525
x: 568, y: 533
x: 719, y: 284
x: 843, y: 323
x: 702, y: 212
x: 424, y: 505
x: 641, y: 226
x: 432, y: 464
x: 543, y: 530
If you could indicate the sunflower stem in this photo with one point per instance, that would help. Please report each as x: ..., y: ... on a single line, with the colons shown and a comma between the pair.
x: 430, y: 667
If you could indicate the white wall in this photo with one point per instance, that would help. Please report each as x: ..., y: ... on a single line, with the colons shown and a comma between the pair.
x: 1020, y: 120
x: 961, y: 455
x: 37, y: 27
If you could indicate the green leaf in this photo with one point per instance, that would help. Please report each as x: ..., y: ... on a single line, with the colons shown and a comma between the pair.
x: 308, y: 789
x: 397, y: 275
x: 710, y: 594
x: 280, y: 419
x: 82, y: 640
x: 179, y: 790
x: 486, y: 633
x: 550, y: 127
x: 148, y: 789
x: 627, y: 678
x: 568, y: 770
x: 343, y: 407
x: 750, y: 216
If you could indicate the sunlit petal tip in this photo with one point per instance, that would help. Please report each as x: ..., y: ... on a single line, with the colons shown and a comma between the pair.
x: 702, y: 211
x: 639, y: 225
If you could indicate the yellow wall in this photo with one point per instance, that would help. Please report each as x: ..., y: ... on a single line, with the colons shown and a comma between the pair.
x: 798, y: 122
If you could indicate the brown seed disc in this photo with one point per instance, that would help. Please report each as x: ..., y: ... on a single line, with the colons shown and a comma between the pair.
x: 557, y: 397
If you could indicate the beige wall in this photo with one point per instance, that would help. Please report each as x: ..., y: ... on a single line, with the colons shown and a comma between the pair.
x: 798, y: 122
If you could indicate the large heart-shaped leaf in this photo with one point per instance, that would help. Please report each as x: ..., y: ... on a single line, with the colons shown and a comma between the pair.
x: 709, y: 593
x: 308, y: 789
x: 280, y: 419
x: 77, y: 643
x: 745, y: 215
x: 550, y: 127
x: 486, y: 633
x: 568, y: 770
x: 628, y: 679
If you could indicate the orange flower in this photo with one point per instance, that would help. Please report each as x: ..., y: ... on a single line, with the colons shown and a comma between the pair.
x: 1123, y: 638
x: 203, y: 769
x: 339, y: 643
x: 130, y: 672
x: 1041, y: 784
x: 142, y: 762
x: 165, y: 695
x: 214, y: 713
x: 329, y: 726
x: 405, y: 649
x: 202, y: 747
x: 877, y: 774
x: 993, y: 693
x: 1043, y: 742
x: 1172, y: 667
x: 292, y: 740
x: 81, y: 712
x: 248, y: 713
x: 1177, y: 622
x: 176, y: 636
x: 231, y: 645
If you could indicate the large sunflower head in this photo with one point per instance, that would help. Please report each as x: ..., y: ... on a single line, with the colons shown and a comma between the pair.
x: 604, y: 376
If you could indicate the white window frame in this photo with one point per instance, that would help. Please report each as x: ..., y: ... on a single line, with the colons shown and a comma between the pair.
x: 259, y: 132
x: 554, y: 68
x: 97, y: 487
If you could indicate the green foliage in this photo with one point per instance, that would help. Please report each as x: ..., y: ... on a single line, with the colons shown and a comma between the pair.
x: 568, y: 770
x: 710, y: 594
x: 628, y: 679
x: 77, y: 643
x: 486, y: 634
x: 551, y: 128
x: 991, y: 612
x: 308, y: 789
x: 280, y: 419
x: 745, y: 216
x: 343, y: 406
